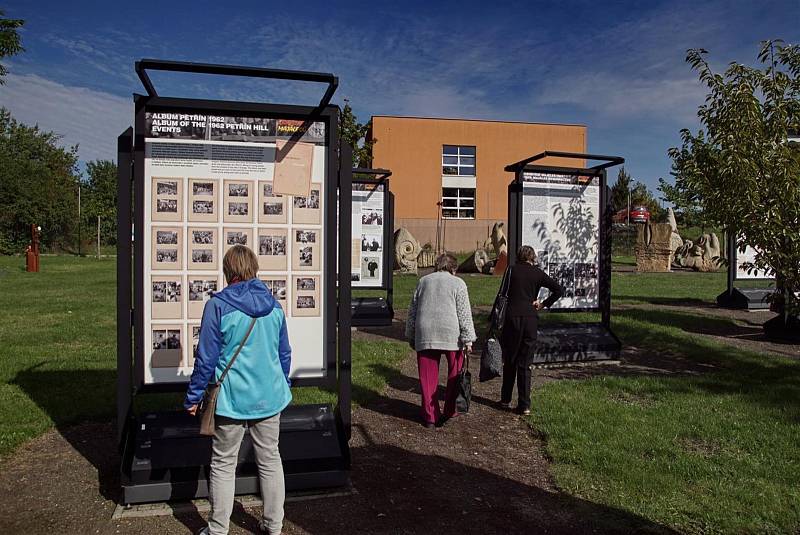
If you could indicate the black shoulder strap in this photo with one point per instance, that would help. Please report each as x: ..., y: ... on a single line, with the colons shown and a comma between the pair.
x: 238, y: 350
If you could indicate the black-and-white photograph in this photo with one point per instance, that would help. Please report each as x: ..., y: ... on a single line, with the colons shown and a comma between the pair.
x: 167, y: 255
x: 370, y: 242
x: 202, y: 207
x: 200, y: 290
x: 159, y: 339
x: 369, y: 267
x: 238, y: 190
x: 236, y: 238
x: 306, y: 301
x: 305, y: 236
x: 202, y: 256
x: 160, y: 292
x: 237, y: 208
x: 564, y: 274
x: 311, y: 202
x: 167, y: 237
x: 203, y: 236
x: 195, y: 338
x: 273, y: 208
x: 355, y: 277
x: 306, y: 283
x: 372, y: 216
x: 173, y: 339
x: 167, y: 206
x: 585, y: 270
x: 203, y: 188
x: 271, y: 245
x: 167, y: 188
x: 173, y: 291
x: 277, y: 287
x: 306, y: 256
x: 268, y: 192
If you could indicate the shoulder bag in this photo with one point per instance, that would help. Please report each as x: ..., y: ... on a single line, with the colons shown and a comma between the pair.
x: 498, y: 315
x: 464, y: 386
x: 208, y: 406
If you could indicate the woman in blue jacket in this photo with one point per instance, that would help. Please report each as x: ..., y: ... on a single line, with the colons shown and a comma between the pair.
x: 254, y: 392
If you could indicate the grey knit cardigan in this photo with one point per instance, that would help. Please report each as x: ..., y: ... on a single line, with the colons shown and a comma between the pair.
x: 440, y: 316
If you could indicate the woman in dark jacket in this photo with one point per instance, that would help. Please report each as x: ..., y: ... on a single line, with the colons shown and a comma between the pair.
x: 518, y: 339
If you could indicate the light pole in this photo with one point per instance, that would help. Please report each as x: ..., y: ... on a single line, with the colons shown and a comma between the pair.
x: 629, y: 199
x: 79, y: 217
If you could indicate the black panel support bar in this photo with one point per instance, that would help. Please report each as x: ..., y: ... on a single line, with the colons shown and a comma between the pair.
x: 143, y: 65
x: 378, y: 174
x: 610, y: 161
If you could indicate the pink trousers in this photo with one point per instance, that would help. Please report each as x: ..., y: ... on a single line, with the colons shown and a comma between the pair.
x: 428, y: 364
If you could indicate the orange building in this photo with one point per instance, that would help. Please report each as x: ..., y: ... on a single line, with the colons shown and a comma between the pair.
x: 459, y: 162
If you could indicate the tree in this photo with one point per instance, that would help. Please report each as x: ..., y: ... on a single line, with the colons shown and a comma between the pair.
x: 10, y: 43
x: 741, y: 169
x: 687, y: 210
x: 620, y: 189
x: 639, y: 196
x: 100, y: 194
x: 356, y: 134
x: 38, y: 185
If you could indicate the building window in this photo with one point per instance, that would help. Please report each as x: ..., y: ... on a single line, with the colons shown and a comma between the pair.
x: 458, y: 203
x: 458, y: 160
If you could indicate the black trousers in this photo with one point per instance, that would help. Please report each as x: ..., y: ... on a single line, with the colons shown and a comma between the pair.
x: 519, y: 343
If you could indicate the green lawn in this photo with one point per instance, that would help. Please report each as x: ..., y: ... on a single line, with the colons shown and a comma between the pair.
x: 714, y: 451
x: 58, y: 350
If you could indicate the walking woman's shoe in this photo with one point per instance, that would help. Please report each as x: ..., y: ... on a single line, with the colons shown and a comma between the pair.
x: 504, y: 405
x: 526, y: 412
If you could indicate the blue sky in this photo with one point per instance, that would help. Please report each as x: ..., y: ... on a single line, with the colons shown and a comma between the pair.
x: 617, y: 67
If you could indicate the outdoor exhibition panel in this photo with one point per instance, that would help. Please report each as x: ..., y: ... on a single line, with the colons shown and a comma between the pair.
x: 563, y: 213
x: 740, y: 269
x: 208, y: 175
x: 372, y: 246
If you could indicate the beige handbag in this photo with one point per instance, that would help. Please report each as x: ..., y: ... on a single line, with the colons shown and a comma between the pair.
x: 208, y: 406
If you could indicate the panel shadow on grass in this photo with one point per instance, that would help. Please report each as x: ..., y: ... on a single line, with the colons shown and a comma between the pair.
x: 404, y: 491
x: 80, y: 404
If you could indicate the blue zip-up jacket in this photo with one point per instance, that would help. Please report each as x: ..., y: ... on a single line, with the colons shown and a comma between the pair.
x: 257, y: 385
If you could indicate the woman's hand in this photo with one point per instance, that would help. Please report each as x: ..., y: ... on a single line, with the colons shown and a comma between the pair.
x: 192, y: 410
x: 538, y: 305
x: 469, y: 348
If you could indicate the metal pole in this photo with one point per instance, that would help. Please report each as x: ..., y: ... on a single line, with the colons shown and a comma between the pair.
x: 79, y: 217
x: 98, y: 237
x: 629, y: 204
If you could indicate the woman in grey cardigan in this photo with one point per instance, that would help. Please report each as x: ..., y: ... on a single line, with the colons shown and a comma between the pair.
x: 440, y: 323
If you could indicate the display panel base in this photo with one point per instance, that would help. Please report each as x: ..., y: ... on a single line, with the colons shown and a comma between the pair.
x: 167, y: 459
x: 371, y: 312
x: 582, y: 342
x: 745, y: 298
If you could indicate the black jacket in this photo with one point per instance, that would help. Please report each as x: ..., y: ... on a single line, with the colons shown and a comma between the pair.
x: 526, y: 281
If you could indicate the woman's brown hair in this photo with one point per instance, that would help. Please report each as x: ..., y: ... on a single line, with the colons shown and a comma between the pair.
x: 526, y: 254
x: 239, y: 264
x: 446, y: 262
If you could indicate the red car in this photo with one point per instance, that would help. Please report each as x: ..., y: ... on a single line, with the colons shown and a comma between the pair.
x: 639, y: 214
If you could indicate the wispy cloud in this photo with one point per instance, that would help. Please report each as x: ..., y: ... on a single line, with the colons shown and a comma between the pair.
x: 84, y: 117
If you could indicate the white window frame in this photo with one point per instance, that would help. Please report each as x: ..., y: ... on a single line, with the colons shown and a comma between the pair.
x: 462, y: 212
x: 459, y: 165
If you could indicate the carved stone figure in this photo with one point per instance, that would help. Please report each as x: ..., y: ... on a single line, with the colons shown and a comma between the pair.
x: 653, y: 252
x: 426, y: 258
x: 475, y: 263
x: 701, y: 256
x: 675, y: 240
x: 406, y: 250
x: 496, y: 243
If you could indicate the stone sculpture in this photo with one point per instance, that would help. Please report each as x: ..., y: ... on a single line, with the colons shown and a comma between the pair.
x: 496, y: 243
x: 675, y: 240
x: 653, y: 251
x: 701, y: 256
x: 427, y: 257
x: 406, y: 251
x: 475, y: 263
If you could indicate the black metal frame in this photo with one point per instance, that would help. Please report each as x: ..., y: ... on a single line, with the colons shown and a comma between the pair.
x: 143, y: 65
x: 380, y: 177
x: 124, y: 308
x: 515, y: 190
